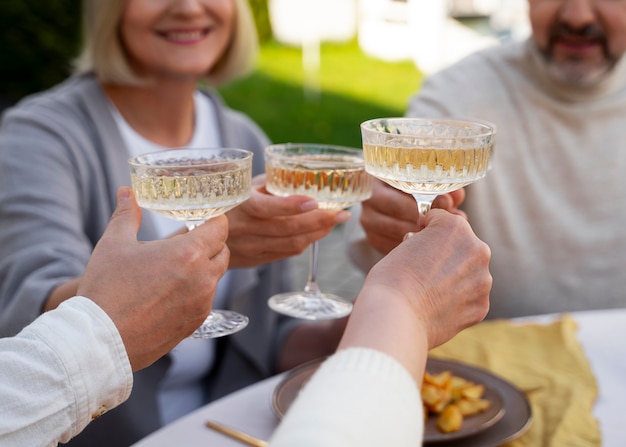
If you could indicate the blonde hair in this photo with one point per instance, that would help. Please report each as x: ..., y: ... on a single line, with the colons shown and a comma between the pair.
x: 103, y: 52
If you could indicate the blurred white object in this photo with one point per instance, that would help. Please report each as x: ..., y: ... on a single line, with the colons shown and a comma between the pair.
x: 423, y: 31
x: 473, y: 8
x: 510, y: 20
x: 307, y: 23
x: 428, y: 24
x: 383, y: 29
x: 452, y: 42
x: 296, y: 22
x: 417, y: 30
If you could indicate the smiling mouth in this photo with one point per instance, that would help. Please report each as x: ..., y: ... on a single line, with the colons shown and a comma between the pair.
x: 579, y: 40
x: 579, y: 50
x: 184, y: 36
x: 579, y: 44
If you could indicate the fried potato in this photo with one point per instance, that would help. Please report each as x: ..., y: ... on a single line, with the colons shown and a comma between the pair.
x: 450, y: 419
x: 441, y: 379
x: 431, y: 395
x: 470, y: 407
x: 451, y: 398
x: 473, y: 391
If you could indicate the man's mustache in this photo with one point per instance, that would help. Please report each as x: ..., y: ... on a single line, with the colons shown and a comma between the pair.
x: 587, y: 32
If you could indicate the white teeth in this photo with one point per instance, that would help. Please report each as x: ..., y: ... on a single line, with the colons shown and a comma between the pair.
x: 185, y: 35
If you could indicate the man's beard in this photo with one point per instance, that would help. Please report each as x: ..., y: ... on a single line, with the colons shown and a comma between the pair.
x: 574, y: 70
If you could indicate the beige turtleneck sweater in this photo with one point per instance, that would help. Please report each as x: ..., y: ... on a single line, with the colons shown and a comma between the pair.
x: 553, y: 208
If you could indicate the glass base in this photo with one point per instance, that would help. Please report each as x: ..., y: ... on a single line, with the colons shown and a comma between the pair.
x: 220, y: 323
x: 323, y: 306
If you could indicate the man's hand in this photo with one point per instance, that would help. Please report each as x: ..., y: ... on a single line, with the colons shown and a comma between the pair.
x: 158, y: 292
x: 390, y: 214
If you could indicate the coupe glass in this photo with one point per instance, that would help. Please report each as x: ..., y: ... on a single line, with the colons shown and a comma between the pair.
x: 427, y: 157
x: 335, y: 177
x: 194, y: 185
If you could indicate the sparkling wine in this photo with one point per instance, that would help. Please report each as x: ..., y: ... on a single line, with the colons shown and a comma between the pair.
x: 193, y: 196
x: 427, y: 171
x: 322, y: 177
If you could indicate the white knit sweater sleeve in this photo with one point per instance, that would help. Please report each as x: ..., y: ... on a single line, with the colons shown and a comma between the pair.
x: 359, y: 397
x: 60, y: 372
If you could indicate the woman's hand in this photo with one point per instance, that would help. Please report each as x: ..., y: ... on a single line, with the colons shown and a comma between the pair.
x: 268, y: 228
x: 431, y: 286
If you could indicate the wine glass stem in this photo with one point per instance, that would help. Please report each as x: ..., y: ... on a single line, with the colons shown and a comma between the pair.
x: 191, y: 224
x: 423, y: 206
x: 311, y: 284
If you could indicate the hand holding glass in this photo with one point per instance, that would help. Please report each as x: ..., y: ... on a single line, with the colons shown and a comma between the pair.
x: 335, y: 177
x: 427, y: 157
x: 194, y: 185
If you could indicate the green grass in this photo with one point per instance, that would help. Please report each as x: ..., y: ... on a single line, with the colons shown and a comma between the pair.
x: 353, y: 88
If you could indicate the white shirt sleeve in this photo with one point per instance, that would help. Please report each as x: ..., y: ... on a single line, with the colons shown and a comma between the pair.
x: 358, y: 397
x: 64, y: 369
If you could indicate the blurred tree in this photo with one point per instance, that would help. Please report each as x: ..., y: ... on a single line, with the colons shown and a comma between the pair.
x: 38, y: 40
x: 262, y: 18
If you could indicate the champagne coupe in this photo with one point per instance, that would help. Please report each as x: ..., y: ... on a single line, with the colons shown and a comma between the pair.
x: 335, y: 177
x: 427, y: 157
x: 194, y: 185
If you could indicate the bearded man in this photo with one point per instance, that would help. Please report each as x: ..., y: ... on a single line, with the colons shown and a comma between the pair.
x: 553, y: 207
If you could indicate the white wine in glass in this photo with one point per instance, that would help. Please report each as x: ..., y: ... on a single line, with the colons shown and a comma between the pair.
x: 335, y: 177
x: 427, y: 157
x: 192, y: 186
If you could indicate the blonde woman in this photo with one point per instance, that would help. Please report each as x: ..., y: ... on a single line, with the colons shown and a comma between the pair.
x: 63, y: 155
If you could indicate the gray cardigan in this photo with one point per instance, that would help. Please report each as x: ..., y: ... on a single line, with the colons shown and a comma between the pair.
x: 61, y: 161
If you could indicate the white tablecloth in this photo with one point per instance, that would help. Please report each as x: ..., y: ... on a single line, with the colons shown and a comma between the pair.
x: 602, y: 335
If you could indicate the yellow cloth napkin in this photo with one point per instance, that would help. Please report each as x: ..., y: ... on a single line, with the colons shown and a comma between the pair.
x: 548, y: 363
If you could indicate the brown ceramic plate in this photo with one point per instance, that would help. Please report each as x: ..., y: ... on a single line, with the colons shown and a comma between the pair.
x: 507, y: 418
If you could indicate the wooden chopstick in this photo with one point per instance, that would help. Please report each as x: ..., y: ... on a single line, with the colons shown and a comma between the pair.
x: 236, y: 434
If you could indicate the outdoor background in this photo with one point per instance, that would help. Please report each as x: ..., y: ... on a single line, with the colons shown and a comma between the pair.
x: 38, y: 40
